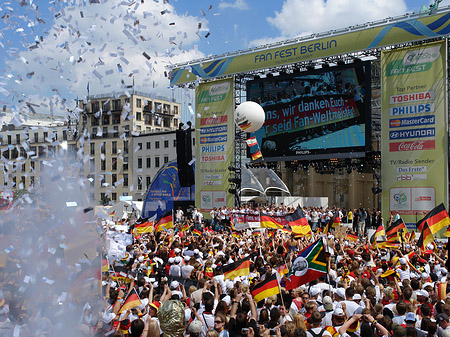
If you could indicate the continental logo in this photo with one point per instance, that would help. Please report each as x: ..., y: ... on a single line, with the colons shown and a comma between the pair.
x: 219, y: 89
x: 421, y: 56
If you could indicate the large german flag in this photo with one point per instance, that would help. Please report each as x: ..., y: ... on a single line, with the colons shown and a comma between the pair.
x: 298, y: 222
x: 379, y: 232
x: 131, y: 301
x: 165, y: 222
x: 269, y: 222
x: 437, y: 219
x: 351, y: 237
x: 237, y: 268
x: 143, y: 226
x: 395, y: 228
x: 426, y: 236
x: 266, y: 288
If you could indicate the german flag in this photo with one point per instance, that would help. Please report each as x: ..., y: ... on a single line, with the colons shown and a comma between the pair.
x: 105, y: 265
x: 143, y: 226
x: 185, y: 227
x: 282, y: 270
x: 166, y: 220
x: 256, y: 233
x: 237, y: 268
x: 351, y: 237
x: 131, y: 301
x: 437, y: 219
x: 235, y: 235
x: 256, y: 155
x: 395, y: 228
x: 336, y: 221
x: 298, y: 222
x: 286, y: 230
x: 426, y: 236
x: 388, y: 244
x: 441, y: 290
x: 266, y: 288
x: 196, y: 232
x: 269, y: 222
x: 390, y: 274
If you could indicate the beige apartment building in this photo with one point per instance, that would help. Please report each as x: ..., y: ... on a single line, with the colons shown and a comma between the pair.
x: 109, y: 123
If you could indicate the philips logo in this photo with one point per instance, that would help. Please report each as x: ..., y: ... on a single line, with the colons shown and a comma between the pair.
x: 411, y: 109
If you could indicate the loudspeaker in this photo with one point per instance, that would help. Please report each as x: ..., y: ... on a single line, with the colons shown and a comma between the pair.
x: 184, y: 156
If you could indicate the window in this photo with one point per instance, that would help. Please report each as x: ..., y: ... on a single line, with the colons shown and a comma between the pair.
x: 105, y: 119
x: 156, y: 161
x: 95, y: 106
x: 139, y: 163
x: 92, y: 146
x: 107, y: 106
x: 139, y: 146
x: 22, y: 180
x: 148, y: 182
x: 149, y: 162
x: 113, y: 179
x: 9, y: 139
x: 94, y: 121
x: 174, y: 143
x: 92, y: 165
x: 32, y: 164
x: 116, y: 104
x: 166, y: 143
x: 18, y: 139
x: 102, y: 196
x: 115, y: 131
x: 138, y: 115
x: 114, y: 147
x: 31, y: 180
x: 158, y: 107
x: 94, y: 132
x: 139, y: 186
x: 138, y: 103
x: 102, y: 180
x: 64, y: 135
x: 149, y: 145
x: 157, y: 145
x: 148, y: 119
x: 175, y: 122
x: 175, y: 110
x: 166, y: 122
x: 23, y: 154
x: 102, y: 148
x: 125, y: 180
x: 193, y: 141
x: 166, y: 108
x: 103, y: 165
x: 166, y: 159
x: 116, y: 118
x: 113, y: 164
x: 125, y: 163
x: 23, y: 167
x: 105, y: 132
x: 114, y: 196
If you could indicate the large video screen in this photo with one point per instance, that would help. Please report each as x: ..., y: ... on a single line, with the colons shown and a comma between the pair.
x: 318, y: 114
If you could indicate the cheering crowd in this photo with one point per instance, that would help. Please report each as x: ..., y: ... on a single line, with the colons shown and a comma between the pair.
x: 198, y: 278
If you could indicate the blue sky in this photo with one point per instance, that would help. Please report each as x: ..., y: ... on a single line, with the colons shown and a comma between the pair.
x: 108, y: 43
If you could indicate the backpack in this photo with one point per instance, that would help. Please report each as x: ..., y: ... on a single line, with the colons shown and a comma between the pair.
x: 317, y: 334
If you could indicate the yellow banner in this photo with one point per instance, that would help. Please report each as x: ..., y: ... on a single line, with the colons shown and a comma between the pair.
x: 214, y: 125
x: 414, y: 131
x: 364, y: 37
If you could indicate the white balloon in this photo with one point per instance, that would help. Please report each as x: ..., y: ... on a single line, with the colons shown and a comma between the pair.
x: 249, y: 116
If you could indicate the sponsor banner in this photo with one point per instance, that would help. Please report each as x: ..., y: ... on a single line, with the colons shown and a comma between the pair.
x: 214, y: 129
x: 412, y: 121
x: 410, y: 29
x: 411, y: 109
x: 417, y: 145
x: 213, y: 148
x: 414, y: 133
x: 255, y: 220
x: 213, y: 139
x: 214, y: 103
x: 414, y: 169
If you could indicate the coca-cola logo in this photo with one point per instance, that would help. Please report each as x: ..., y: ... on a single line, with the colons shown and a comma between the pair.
x: 417, y: 145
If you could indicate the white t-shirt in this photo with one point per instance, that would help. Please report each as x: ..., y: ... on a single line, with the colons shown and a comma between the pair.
x: 317, y: 332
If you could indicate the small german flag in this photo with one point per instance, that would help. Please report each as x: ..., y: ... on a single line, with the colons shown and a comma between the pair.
x: 256, y: 233
x: 426, y: 237
x: 286, y: 230
x: 390, y: 274
x: 256, y: 155
x: 235, y: 235
x: 282, y: 270
x: 131, y: 301
x: 394, y: 230
x: 185, y: 227
x: 237, y: 268
x: 143, y: 226
x: 437, y: 219
x: 441, y: 290
x: 196, y: 232
x: 351, y: 237
x: 269, y: 222
x: 266, y: 288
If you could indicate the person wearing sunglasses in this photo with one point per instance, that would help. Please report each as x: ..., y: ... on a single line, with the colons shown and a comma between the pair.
x: 219, y: 325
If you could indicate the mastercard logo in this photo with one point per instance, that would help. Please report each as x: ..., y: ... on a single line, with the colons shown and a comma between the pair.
x: 203, y: 140
x: 395, y: 123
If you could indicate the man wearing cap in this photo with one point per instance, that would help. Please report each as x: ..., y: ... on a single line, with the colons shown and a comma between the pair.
x: 442, y: 322
x: 315, y: 329
x: 410, y: 321
x: 403, y: 271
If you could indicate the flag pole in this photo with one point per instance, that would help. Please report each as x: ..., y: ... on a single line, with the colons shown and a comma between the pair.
x: 281, y: 294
